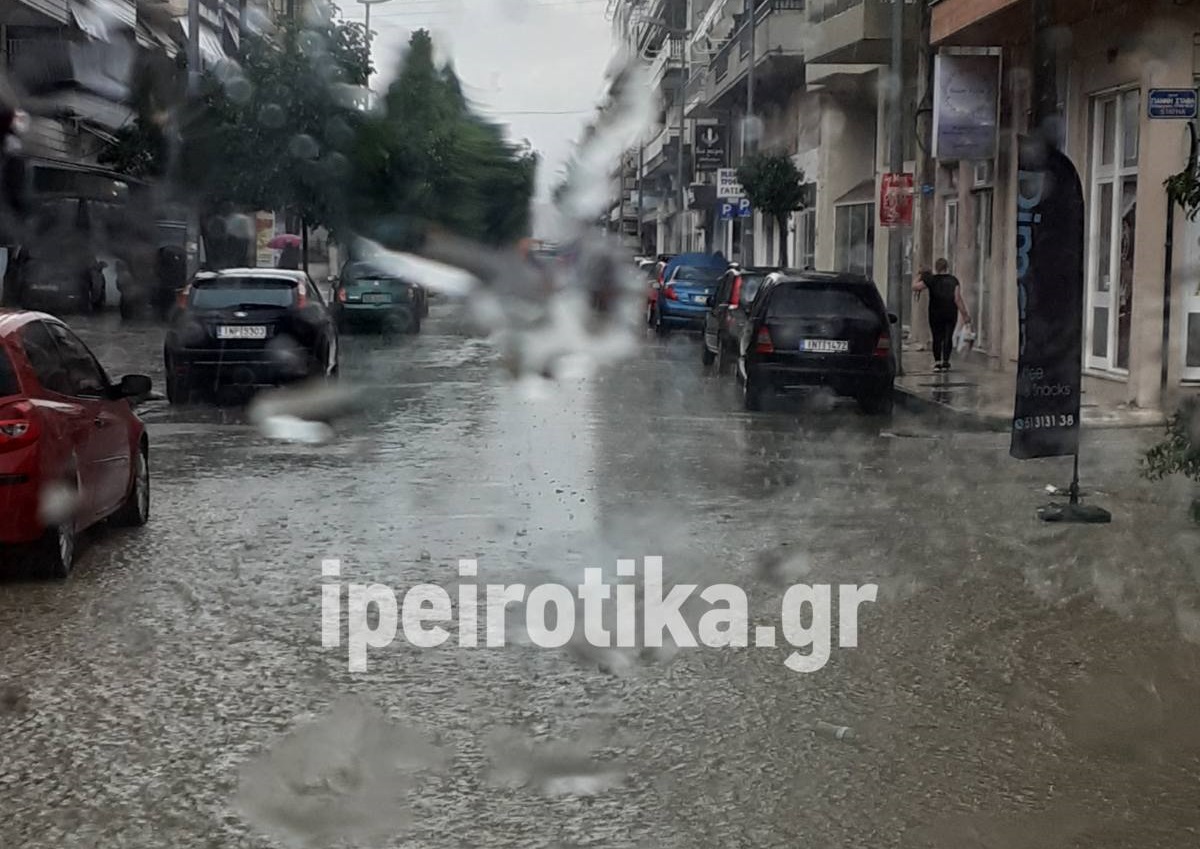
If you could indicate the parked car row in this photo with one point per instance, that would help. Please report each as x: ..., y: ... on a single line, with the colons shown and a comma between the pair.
x: 781, y: 330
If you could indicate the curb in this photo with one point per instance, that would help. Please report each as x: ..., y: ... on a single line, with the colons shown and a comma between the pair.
x: 945, y: 414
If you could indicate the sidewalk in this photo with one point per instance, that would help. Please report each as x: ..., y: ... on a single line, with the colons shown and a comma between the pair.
x: 975, y: 396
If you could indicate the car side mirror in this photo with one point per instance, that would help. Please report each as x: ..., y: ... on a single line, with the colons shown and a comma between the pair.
x: 893, y: 318
x: 132, y: 386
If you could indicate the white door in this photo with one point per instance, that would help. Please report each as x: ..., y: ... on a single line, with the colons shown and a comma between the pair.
x: 983, y: 262
x: 1112, y: 228
x: 1189, y: 327
x: 950, y: 235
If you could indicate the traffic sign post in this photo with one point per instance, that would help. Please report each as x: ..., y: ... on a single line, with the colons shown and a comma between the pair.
x: 728, y: 185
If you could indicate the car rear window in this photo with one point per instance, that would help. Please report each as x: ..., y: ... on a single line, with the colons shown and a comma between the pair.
x: 822, y: 302
x: 229, y: 292
x: 750, y: 286
x: 692, y: 274
x: 8, y: 375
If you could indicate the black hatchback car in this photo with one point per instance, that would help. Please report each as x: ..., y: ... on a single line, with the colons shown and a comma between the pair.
x: 728, y: 312
x: 811, y: 328
x: 248, y: 327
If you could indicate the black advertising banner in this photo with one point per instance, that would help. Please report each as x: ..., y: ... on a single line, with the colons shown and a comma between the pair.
x: 1050, y: 286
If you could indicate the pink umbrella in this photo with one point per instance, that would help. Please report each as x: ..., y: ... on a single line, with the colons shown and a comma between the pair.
x: 285, y: 240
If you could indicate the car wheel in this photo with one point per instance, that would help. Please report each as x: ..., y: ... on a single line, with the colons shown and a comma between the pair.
x: 179, y: 387
x: 751, y: 394
x: 659, y: 328
x: 722, y: 356
x: 876, y: 404
x: 135, y: 511
x: 54, y: 553
x: 706, y: 356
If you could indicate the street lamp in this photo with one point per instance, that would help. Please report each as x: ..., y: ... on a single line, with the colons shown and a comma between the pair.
x: 367, y: 25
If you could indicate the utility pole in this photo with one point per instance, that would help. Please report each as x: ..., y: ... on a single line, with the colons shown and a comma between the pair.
x: 896, y: 164
x: 621, y: 212
x: 367, y: 4
x: 681, y: 93
x: 640, y: 207
x: 750, y: 130
x: 1045, y: 75
x: 192, y: 234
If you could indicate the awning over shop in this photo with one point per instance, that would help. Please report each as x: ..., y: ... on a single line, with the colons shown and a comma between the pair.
x: 88, y: 107
x: 101, y: 18
x: 949, y: 17
x: 864, y: 192
x: 211, y: 49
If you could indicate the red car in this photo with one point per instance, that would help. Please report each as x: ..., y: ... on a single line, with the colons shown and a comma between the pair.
x: 72, y: 451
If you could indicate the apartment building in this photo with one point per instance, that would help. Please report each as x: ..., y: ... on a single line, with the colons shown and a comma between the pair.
x: 819, y: 71
x: 1113, y: 56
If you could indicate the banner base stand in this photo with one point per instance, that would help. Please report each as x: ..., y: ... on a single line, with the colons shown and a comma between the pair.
x: 1078, y: 514
x: 1074, y: 512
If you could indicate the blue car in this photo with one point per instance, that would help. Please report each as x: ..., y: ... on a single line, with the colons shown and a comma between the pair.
x: 683, y: 298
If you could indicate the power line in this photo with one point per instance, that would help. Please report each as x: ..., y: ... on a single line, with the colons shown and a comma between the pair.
x: 503, y: 112
x: 582, y: 5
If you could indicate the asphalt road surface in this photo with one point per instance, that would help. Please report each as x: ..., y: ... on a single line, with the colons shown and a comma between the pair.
x: 1016, y: 685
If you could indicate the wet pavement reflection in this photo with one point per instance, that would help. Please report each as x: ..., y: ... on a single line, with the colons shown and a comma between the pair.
x: 1017, y: 685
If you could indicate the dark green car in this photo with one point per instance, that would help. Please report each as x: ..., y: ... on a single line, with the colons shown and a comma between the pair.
x: 364, y: 294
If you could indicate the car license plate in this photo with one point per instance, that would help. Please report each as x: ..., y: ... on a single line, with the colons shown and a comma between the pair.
x: 377, y: 298
x: 700, y: 299
x: 824, y: 346
x: 242, y: 331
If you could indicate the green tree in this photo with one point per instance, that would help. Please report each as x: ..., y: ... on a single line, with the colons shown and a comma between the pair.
x: 272, y: 129
x: 426, y: 159
x: 775, y: 187
x: 1179, y: 453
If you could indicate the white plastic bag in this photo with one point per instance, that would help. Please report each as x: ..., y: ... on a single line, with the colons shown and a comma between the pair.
x: 964, y: 338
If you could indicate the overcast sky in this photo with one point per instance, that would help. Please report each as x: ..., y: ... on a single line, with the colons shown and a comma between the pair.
x: 518, y: 60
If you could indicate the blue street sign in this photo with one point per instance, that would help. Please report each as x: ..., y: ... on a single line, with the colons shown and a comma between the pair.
x: 727, y: 210
x: 744, y: 210
x: 1179, y: 103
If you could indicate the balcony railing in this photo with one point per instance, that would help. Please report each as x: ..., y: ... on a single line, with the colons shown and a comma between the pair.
x: 823, y: 10
x: 669, y: 58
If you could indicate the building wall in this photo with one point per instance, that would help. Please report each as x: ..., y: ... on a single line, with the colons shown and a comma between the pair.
x: 1120, y: 50
x: 846, y: 158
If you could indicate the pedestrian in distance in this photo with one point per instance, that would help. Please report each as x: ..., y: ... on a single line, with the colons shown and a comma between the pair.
x: 945, y: 307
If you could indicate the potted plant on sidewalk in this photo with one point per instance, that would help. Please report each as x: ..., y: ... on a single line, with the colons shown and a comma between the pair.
x: 1179, y: 453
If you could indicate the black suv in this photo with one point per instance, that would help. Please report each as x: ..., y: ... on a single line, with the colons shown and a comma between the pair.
x: 249, y: 327
x: 816, y: 328
x: 728, y: 311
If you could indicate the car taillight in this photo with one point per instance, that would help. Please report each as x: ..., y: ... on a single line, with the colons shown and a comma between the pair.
x: 301, y: 297
x: 341, y: 295
x: 181, y: 297
x: 19, y: 430
x: 763, y: 343
x: 883, y: 347
x: 736, y: 295
x: 671, y: 294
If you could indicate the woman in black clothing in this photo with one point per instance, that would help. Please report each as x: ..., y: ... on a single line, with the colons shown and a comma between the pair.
x: 945, y: 307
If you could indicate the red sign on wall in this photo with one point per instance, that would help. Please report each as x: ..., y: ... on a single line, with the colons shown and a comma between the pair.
x: 896, y: 200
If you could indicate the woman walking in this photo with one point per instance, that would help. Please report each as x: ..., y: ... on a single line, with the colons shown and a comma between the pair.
x: 945, y: 306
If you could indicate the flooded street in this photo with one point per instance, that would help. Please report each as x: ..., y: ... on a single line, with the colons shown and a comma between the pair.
x: 1016, y: 685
